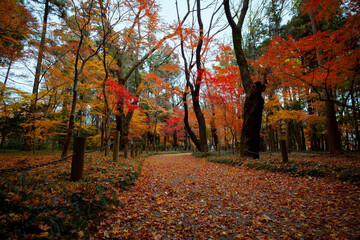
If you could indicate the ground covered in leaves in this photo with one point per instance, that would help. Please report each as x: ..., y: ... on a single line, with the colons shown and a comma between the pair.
x: 183, y: 197
x: 43, y: 203
x: 179, y: 196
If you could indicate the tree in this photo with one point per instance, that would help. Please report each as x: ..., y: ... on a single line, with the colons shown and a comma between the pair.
x: 49, y: 5
x: 200, y: 41
x: 15, y: 28
x: 225, y: 96
x: 323, y: 61
x: 254, y: 102
x: 81, y: 21
x: 139, y: 38
x: 15, y: 21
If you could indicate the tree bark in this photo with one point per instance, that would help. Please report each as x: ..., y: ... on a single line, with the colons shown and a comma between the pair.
x: 355, y: 119
x: 71, y: 123
x: 189, y: 131
x: 28, y: 139
x: 334, y: 136
x: 271, y: 139
x: 254, y: 102
x: 250, y: 133
x: 200, y: 143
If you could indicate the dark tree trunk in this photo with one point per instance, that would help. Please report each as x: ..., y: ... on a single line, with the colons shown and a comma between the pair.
x: 202, y: 125
x: 175, y: 145
x: 334, y: 137
x: 355, y: 119
x: 214, y: 134
x: 201, y: 143
x: 186, y: 140
x: 4, y: 120
x: 123, y: 123
x: 79, y: 65
x: 189, y: 131
x: 254, y: 102
x: 299, y: 136
x: 250, y: 134
x: 3, y: 138
x: 71, y: 123
x: 30, y: 136
x: 271, y: 139
x: 288, y: 136
x: 195, y: 91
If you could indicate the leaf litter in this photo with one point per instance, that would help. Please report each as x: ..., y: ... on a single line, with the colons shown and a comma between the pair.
x: 182, y: 197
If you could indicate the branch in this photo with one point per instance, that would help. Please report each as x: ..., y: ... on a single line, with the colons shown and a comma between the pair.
x: 229, y: 17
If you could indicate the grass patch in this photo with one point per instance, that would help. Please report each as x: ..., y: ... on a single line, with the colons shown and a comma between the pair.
x: 148, y: 154
x: 233, y: 161
x: 301, y: 165
x: 44, y: 203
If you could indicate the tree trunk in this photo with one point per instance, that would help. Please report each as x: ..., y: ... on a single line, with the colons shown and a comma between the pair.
x: 28, y: 139
x: 214, y: 133
x: 5, y: 81
x: 5, y: 117
x: 195, y: 93
x: 250, y: 134
x: 202, y: 125
x: 334, y: 137
x: 271, y: 139
x: 71, y: 123
x: 299, y: 136
x: 254, y: 102
x: 355, y: 119
x: 190, y: 133
x: 123, y: 124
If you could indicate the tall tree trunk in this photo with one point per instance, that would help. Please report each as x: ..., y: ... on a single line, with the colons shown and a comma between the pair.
x: 175, y: 138
x: 71, y: 123
x: 123, y: 123
x: 200, y: 144
x: 334, y: 136
x: 189, y: 131
x: 202, y: 125
x: 271, y: 139
x: 196, y: 92
x: 355, y: 119
x: 299, y: 136
x: 186, y: 145
x: 5, y: 117
x: 214, y: 132
x: 31, y: 132
x: 5, y: 80
x: 254, y: 102
x: 250, y: 133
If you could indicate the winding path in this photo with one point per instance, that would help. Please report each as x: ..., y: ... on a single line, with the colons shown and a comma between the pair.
x: 182, y: 197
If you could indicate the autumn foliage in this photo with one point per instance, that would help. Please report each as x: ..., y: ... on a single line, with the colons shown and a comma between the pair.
x: 99, y: 68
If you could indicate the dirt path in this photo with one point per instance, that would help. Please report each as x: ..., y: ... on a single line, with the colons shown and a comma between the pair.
x: 181, y: 197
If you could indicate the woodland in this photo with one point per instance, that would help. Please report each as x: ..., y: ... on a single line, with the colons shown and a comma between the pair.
x: 234, y: 119
x: 102, y: 66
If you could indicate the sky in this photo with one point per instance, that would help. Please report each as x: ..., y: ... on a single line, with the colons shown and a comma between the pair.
x: 168, y: 11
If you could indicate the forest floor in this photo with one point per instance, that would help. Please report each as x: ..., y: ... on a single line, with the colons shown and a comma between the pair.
x: 179, y: 196
x: 183, y: 197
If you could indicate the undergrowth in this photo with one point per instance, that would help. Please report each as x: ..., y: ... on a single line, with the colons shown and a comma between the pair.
x: 312, y: 167
x: 44, y: 203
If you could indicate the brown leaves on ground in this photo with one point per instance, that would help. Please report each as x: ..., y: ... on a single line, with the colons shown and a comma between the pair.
x: 14, y: 160
x: 179, y: 196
